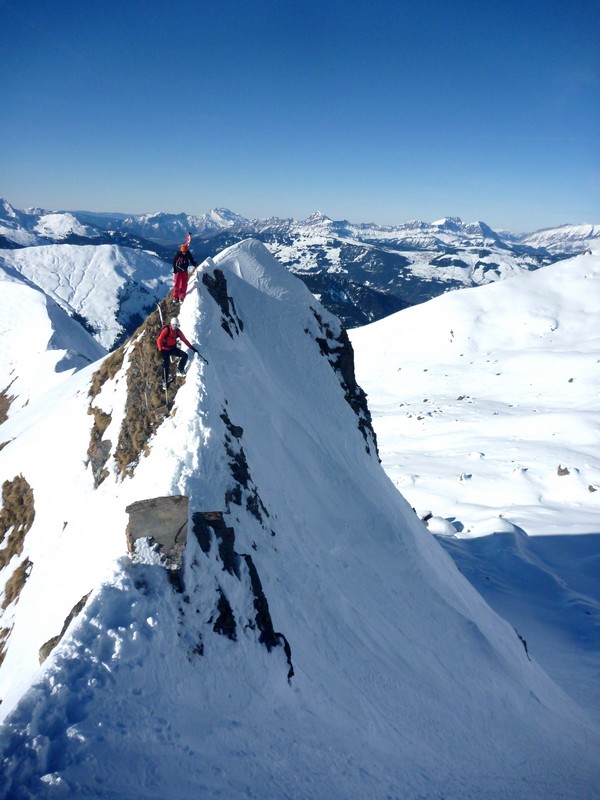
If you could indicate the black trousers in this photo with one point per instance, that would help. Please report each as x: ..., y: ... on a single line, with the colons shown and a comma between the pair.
x: 166, y: 354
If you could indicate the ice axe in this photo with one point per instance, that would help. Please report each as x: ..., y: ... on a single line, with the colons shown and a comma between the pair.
x: 200, y: 355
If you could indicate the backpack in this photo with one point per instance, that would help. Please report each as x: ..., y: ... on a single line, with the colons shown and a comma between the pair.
x: 164, y: 328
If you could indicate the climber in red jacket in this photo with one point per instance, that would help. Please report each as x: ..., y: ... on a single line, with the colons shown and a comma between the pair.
x: 167, y: 346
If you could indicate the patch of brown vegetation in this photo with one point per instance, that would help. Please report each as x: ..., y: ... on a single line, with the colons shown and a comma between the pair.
x: 146, y: 406
x: 4, y: 634
x: 16, y: 582
x: 108, y: 369
x: 16, y: 517
x: 99, y: 449
x: 49, y: 646
x: 5, y: 401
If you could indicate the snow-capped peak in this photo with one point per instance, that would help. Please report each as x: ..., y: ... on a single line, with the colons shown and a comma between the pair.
x: 60, y: 226
x: 6, y: 210
x: 317, y: 218
x: 451, y: 223
x: 224, y: 217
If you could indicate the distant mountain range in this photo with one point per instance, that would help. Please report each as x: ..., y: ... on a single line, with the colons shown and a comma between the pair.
x: 360, y: 271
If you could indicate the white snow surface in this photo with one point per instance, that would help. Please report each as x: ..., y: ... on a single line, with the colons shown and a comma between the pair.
x: 406, y: 684
x: 495, y: 386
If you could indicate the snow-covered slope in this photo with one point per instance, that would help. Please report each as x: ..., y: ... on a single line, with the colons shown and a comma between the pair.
x: 485, y: 402
x: 109, y: 286
x: 17, y: 226
x: 321, y: 645
x: 565, y: 239
x: 42, y: 345
x: 511, y: 369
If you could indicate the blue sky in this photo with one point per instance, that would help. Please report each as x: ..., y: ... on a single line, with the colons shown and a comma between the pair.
x: 379, y: 111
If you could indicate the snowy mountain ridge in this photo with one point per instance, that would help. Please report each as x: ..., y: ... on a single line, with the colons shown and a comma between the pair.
x: 319, y: 644
x: 360, y: 272
x: 170, y: 229
x: 566, y: 238
x: 60, y: 226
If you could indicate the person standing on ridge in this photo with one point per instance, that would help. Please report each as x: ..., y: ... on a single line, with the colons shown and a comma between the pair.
x: 181, y: 263
x: 167, y: 346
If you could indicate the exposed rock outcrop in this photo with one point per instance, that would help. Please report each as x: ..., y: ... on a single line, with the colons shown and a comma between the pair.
x: 244, y: 490
x: 217, y: 287
x: 210, y: 529
x: 162, y: 520
x: 16, y: 519
x: 5, y: 402
x: 338, y: 350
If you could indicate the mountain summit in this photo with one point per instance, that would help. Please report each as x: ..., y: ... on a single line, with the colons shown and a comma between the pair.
x: 311, y: 640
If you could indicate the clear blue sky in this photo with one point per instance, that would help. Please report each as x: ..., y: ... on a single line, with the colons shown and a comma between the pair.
x: 378, y: 111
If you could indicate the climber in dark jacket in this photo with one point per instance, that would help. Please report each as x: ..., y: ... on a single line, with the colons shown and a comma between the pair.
x: 167, y: 346
x: 182, y: 260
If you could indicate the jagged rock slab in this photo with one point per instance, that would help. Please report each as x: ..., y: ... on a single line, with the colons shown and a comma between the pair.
x: 164, y: 520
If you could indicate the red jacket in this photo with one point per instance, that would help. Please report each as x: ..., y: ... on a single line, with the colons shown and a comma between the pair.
x: 168, y: 337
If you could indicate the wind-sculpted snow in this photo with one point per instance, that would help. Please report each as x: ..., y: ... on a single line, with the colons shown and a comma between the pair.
x: 318, y: 643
